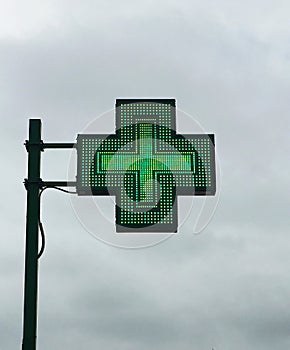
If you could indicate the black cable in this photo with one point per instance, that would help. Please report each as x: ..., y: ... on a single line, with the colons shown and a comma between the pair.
x: 61, y: 189
x: 39, y: 221
x: 41, y: 228
x: 42, y: 239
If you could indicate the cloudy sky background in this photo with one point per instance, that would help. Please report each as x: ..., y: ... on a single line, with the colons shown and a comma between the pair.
x: 228, y: 64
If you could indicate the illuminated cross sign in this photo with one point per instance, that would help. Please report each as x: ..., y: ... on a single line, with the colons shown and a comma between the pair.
x: 146, y: 165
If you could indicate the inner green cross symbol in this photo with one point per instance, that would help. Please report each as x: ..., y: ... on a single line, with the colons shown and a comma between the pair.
x: 146, y: 165
x: 146, y: 161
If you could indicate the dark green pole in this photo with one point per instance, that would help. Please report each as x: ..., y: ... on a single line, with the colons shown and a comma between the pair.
x: 34, y: 146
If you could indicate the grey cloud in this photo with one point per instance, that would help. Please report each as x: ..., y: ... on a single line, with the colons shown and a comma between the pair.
x: 228, y: 65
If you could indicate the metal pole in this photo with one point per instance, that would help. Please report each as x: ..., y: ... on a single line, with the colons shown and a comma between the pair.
x: 32, y: 217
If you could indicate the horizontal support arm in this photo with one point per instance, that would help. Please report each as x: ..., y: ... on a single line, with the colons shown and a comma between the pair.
x: 58, y: 145
x: 58, y: 183
x: 49, y: 145
x: 42, y: 184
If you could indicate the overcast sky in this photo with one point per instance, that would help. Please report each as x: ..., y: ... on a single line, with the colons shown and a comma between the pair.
x: 228, y: 64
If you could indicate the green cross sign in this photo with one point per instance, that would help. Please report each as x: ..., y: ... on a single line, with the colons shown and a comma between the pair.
x: 146, y: 164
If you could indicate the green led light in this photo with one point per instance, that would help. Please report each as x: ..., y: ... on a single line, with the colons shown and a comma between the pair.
x: 146, y: 165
